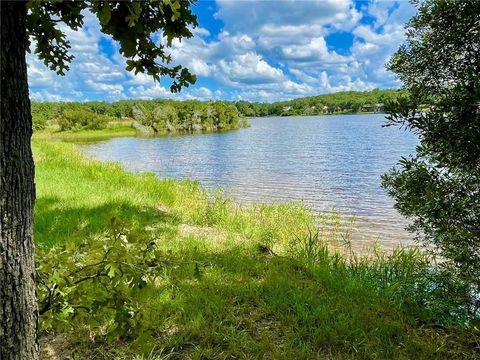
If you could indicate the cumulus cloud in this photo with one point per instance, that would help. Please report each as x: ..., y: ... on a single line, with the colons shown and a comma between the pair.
x: 39, y: 75
x: 201, y: 93
x: 250, y: 68
x: 255, y: 15
x: 115, y: 89
x: 315, y: 50
x: 92, y: 73
x: 263, y: 50
x: 375, y: 43
x: 199, y: 67
x: 149, y: 92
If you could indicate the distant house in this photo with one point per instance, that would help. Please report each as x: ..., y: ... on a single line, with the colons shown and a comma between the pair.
x: 379, y: 107
x: 367, y: 108
x: 287, y: 108
x: 325, y: 109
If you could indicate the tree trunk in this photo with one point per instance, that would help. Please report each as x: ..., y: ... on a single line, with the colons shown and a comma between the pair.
x: 18, y: 308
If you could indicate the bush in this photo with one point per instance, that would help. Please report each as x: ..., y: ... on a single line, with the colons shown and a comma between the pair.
x: 42, y: 113
x: 187, y: 116
x: 438, y: 188
x: 39, y: 122
x: 81, y: 119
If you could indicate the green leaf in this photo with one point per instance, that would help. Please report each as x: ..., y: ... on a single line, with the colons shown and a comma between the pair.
x: 135, y: 10
x: 129, y: 48
x: 175, y: 6
x: 111, y: 269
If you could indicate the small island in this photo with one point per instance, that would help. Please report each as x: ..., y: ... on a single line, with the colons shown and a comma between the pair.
x: 129, y: 117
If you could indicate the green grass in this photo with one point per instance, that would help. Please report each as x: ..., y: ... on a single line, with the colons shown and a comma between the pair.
x: 240, y: 282
x: 119, y: 130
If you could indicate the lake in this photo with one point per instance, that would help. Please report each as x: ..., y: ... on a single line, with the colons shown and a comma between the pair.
x: 328, y: 162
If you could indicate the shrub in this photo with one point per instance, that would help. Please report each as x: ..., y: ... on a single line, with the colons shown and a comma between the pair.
x: 78, y: 119
x: 39, y: 122
x: 187, y: 117
x: 438, y: 188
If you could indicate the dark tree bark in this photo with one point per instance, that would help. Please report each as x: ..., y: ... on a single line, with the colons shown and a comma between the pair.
x: 18, y: 309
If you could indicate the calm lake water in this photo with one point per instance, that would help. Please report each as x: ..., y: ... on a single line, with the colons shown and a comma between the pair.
x: 329, y: 162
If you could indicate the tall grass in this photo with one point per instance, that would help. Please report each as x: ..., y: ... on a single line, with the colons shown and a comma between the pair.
x: 263, y: 281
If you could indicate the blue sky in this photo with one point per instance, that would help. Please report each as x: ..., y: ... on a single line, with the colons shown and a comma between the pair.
x: 245, y: 50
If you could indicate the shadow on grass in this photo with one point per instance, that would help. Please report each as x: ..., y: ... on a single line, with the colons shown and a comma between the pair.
x: 55, y: 222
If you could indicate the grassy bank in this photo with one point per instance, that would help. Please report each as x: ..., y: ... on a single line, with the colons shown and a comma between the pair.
x: 114, y: 129
x: 86, y: 135
x: 223, y: 281
x: 117, y: 128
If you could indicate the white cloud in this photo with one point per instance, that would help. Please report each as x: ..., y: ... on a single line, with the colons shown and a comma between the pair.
x: 199, y: 31
x: 201, y: 93
x: 149, y: 92
x: 266, y: 50
x: 93, y: 74
x: 256, y: 14
x: 392, y: 34
x: 315, y: 50
x: 115, y: 89
x: 46, y: 96
x: 301, y: 75
x: 250, y: 68
x: 199, y: 67
x: 39, y: 75
x: 140, y: 79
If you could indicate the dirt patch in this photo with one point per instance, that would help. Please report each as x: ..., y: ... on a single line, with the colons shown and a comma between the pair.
x: 163, y: 209
x: 213, y: 234
x: 54, y: 347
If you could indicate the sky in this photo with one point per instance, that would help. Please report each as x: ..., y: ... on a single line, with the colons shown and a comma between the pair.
x: 244, y: 50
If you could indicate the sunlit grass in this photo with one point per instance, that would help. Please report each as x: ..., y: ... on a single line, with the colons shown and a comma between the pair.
x: 116, y: 130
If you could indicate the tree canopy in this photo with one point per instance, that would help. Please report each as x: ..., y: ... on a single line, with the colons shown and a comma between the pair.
x: 131, y: 24
x: 439, y: 187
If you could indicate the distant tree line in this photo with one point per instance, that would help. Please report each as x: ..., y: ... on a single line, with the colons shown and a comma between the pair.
x: 169, y: 116
x: 345, y: 102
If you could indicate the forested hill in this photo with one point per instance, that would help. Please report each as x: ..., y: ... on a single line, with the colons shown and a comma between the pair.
x: 345, y: 102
